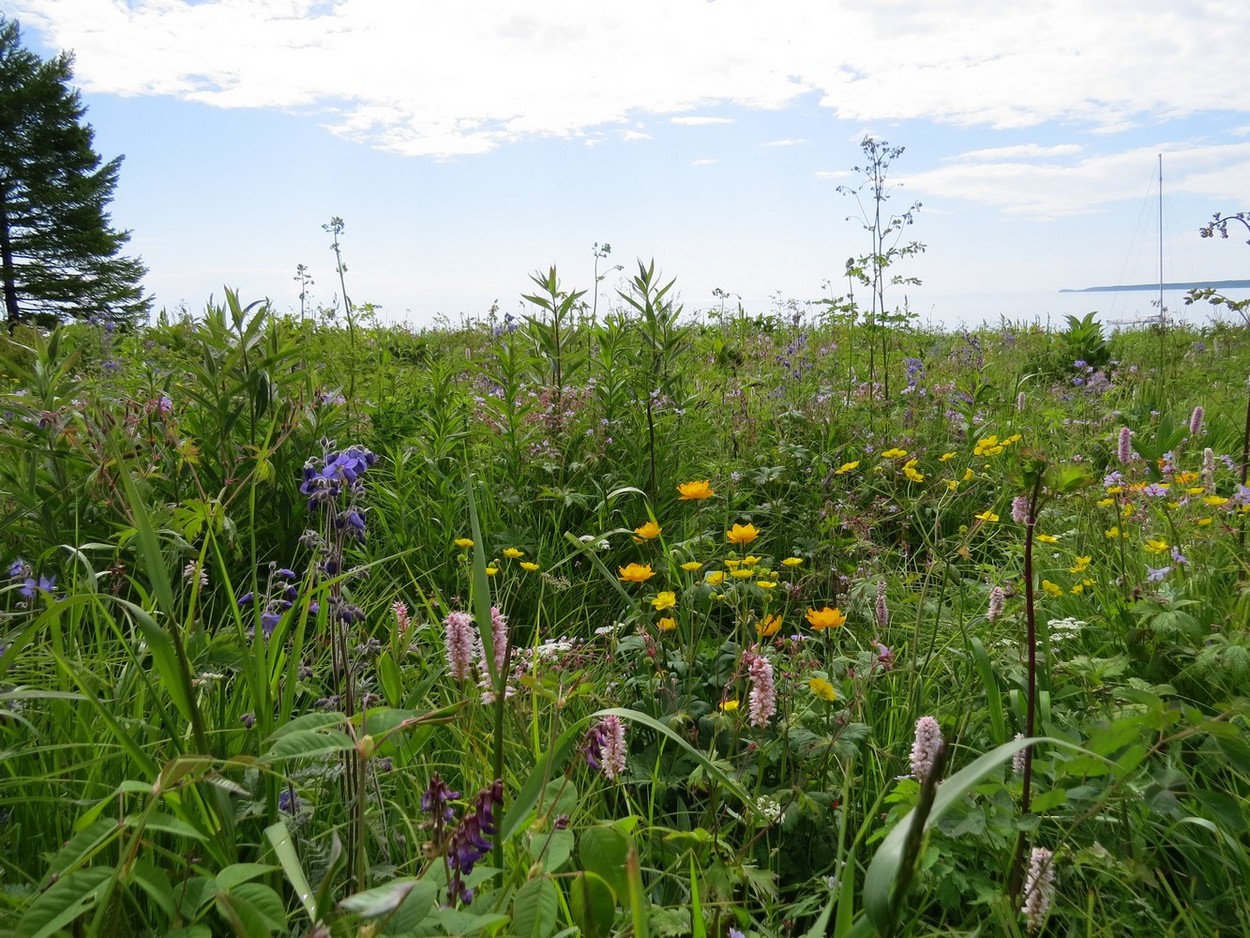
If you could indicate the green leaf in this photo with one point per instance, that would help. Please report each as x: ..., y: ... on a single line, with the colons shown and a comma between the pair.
x: 593, y: 905
x: 534, y: 909
x: 317, y: 720
x: 252, y: 909
x: 602, y: 850
x: 155, y: 882
x: 385, y: 899
x: 885, y: 868
x: 304, y: 744
x: 237, y: 873
x: 67, y: 899
x: 279, y: 838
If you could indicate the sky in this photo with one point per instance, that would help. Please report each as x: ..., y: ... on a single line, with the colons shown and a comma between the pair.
x: 468, y: 144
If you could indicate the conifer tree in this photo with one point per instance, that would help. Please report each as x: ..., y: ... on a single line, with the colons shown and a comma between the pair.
x: 59, y: 255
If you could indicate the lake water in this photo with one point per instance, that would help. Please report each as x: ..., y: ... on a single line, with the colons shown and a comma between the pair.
x: 1123, y: 308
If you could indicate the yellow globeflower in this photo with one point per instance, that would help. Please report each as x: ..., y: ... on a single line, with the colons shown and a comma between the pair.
x: 648, y: 531
x: 742, y: 534
x: 666, y: 599
x: 946, y: 457
x: 729, y: 706
x: 527, y: 565
x: 768, y: 626
x: 690, y: 566
x: 491, y: 571
x: 745, y: 573
x: 696, y: 491
x: 635, y: 573
x: 1048, y: 538
x: 894, y: 453
x: 751, y: 560
x: 465, y: 542
x: 846, y: 467
x: 910, y: 470
x: 512, y: 553
x: 987, y: 516
x: 792, y: 561
x: 1156, y: 545
x: 822, y: 689
x: 714, y: 577
x: 766, y: 584
x: 1052, y: 588
x: 826, y: 618
x: 667, y: 624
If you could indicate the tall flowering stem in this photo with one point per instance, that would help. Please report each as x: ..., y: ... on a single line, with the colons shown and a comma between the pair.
x: 1030, y: 717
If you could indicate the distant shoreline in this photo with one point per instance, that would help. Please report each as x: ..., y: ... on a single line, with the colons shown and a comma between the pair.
x: 1154, y: 287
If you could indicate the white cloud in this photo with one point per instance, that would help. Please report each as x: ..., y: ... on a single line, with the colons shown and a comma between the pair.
x: 445, y: 77
x: 634, y: 135
x: 696, y: 121
x: 703, y: 162
x: 788, y: 142
x: 1022, y: 150
x: 1049, y: 187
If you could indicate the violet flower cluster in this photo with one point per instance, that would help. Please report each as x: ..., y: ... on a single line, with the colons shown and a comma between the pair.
x: 469, y: 841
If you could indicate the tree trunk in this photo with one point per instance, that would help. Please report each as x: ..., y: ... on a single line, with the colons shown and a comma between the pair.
x: 6, y: 262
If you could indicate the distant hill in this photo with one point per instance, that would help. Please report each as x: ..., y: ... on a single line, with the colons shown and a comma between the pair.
x: 1154, y: 287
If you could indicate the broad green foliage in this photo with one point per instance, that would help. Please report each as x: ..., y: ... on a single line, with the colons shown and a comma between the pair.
x: 621, y: 625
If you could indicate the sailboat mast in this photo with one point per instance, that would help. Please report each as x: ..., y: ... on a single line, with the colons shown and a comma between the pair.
x: 1162, y: 317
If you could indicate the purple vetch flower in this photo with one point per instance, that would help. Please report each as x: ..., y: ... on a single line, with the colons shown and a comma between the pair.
x: 1195, y: 421
x: 925, y: 748
x: 461, y: 643
x: 762, y: 701
x: 997, y: 600
x: 1039, y: 888
x: 1125, y: 448
x: 436, y: 801
x: 469, y: 843
x: 1020, y: 509
x: 604, y: 747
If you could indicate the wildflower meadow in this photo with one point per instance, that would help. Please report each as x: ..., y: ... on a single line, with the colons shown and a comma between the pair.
x: 624, y: 620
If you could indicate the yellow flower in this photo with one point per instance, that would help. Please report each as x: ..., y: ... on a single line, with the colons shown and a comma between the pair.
x: 987, y: 516
x: 987, y: 446
x: 648, y: 531
x: 491, y: 571
x: 729, y: 706
x: 1156, y: 545
x: 1048, y: 538
x: 1014, y: 438
x: 1203, y: 522
x: 1077, y: 589
x: 768, y: 626
x: 1186, y: 478
x: 1216, y: 501
x: 742, y: 534
x: 666, y: 599
x: 527, y: 565
x: 894, y: 453
x: 512, y: 553
x: 690, y: 566
x: 744, y: 573
x: 822, y: 689
x: 695, y: 491
x: 1052, y: 588
x: 792, y: 561
x: 910, y: 470
x: 952, y: 484
x: 714, y: 577
x: 946, y: 457
x: 1079, y: 564
x: 751, y: 560
x: 733, y: 563
x: 1114, y: 532
x: 635, y: 573
x: 465, y: 542
x: 826, y: 618
x: 1106, y: 502
x: 667, y: 624
x: 766, y: 584
x: 846, y: 467
x: 1114, y: 489
x: 969, y: 475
